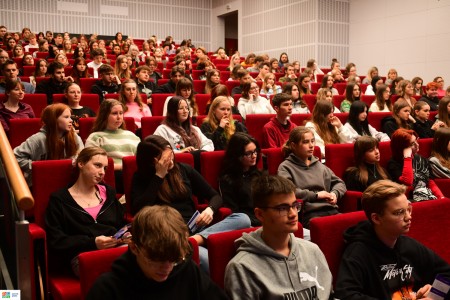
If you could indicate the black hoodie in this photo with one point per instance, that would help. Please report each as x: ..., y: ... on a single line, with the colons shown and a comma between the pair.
x: 127, y: 281
x: 371, y: 270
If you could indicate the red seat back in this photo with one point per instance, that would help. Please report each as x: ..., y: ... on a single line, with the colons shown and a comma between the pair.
x: 425, y: 147
x: 327, y: 232
x: 255, y: 123
x: 368, y: 99
x: 158, y: 101
x: 202, y: 100
x: 300, y: 119
x: 231, y: 84
x: 28, y: 70
x: 37, y: 101
x: 337, y: 100
x: 315, y: 86
x: 340, y: 86
x: 375, y: 118
x: 86, y: 84
x: 310, y: 101
x: 21, y: 129
x: 149, y: 125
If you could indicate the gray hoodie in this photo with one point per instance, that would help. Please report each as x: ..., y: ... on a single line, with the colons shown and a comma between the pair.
x: 34, y: 149
x: 311, y: 179
x: 258, y: 272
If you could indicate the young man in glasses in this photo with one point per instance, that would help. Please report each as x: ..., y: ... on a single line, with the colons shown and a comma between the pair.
x: 271, y: 263
x: 380, y: 262
x: 276, y: 131
x: 158, y: 263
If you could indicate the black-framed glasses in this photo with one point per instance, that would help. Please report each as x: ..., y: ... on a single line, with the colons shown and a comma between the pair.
x: 284, y: 209
x: 249, y: 154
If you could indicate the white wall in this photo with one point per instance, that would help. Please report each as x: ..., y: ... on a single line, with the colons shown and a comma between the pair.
x: 138, y: 18
x: 303, y: 28
x: 412, y: 36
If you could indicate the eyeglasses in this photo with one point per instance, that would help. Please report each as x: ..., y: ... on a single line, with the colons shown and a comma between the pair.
x: 249, y: 154
x: 160, y: 264
x: 254, y: 88
x: 415, y: 143
x: 401, y: 213
x: 284, y: 209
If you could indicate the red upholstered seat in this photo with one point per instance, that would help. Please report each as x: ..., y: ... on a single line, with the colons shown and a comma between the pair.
x: 199, y: 86
x: 202, y: 100
x: 310, y: 101
x: 86, y: 84
x: 337, y: 100
x: 149, y: 125
x: 158, y: 101
x: 340, y: 86
x: 255, y: 123
x: 21, y: 129
x: 221, y: 250
x: 375, y: 119
x: 37, y: 101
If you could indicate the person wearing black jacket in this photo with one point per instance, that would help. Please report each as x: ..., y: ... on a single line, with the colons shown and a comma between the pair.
x: 423, y: 126
x: 108, y: 83
x: 431, y: 96
x: 380, y: 262
x: 84, y: 216
x: 169, y: 88
x: 159, y: 180
x: 57, y: 83
x: 158, y: 263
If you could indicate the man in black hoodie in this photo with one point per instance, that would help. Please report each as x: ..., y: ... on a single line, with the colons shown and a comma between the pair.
x: 158, y: 263
x: 56, y: 84
x: 380, y: 262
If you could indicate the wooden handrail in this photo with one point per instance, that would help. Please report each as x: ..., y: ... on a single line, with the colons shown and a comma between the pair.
x: 19, y: 187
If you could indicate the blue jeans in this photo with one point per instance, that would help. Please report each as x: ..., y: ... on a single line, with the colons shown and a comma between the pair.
x: 232, y: 222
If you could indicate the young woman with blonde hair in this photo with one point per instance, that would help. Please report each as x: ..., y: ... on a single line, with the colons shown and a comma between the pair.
x: 219, y: 125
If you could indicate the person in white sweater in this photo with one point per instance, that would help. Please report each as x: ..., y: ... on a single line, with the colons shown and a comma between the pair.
x: 178, y: 130
x: 327, y: 128
x: 358, y: 125
x: 252, y: 103
x: 382, y: 102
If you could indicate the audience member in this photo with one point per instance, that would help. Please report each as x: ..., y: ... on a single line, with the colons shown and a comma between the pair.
x: 131, y: 99
x: 444, y: 111
x: 219, y: 125
x: 372, y: 72
x: 286, y: 261
x: 352, y: 94
x: 108, y: 83
x: 379, y: 261
x: 55, y: 140
x: 84, y: 216
x: 367, y: 167
x: 289, y: 75
x: 72, y: 98
x: 299, y: 106
x: 276, y: 131
x: 169, y: 88
x: 160, y: 180
x: 11, y: 72
x: 423, y: 126
x: 158, y: 262
x: 269, y: 87
x: 13, y: 107
x: 326, y: 127
x: 326, y: 95
x: 57, y: 82
x: 108, y: 133
x: 244, y: 77
x: 411, y: 169
x: 382, y: 102
x: 430, y: 96
x: 358, y: 124
x: 252, y: 103
x: 417, y: 86
x: 327, y: 83
x: 239, y: 169
x: 401, y: 118
x: 440, y: 84
x: 318, y: 187
x: 440, y: 154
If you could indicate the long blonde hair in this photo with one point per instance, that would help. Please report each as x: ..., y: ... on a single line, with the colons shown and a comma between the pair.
x: 214, y: 122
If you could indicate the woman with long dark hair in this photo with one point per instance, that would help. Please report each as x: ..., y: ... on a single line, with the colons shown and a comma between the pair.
x: 367, y: 167
x: 160, y: 180
x: 440, y: 154
x: 239, y: 168
x: 358, y: 124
